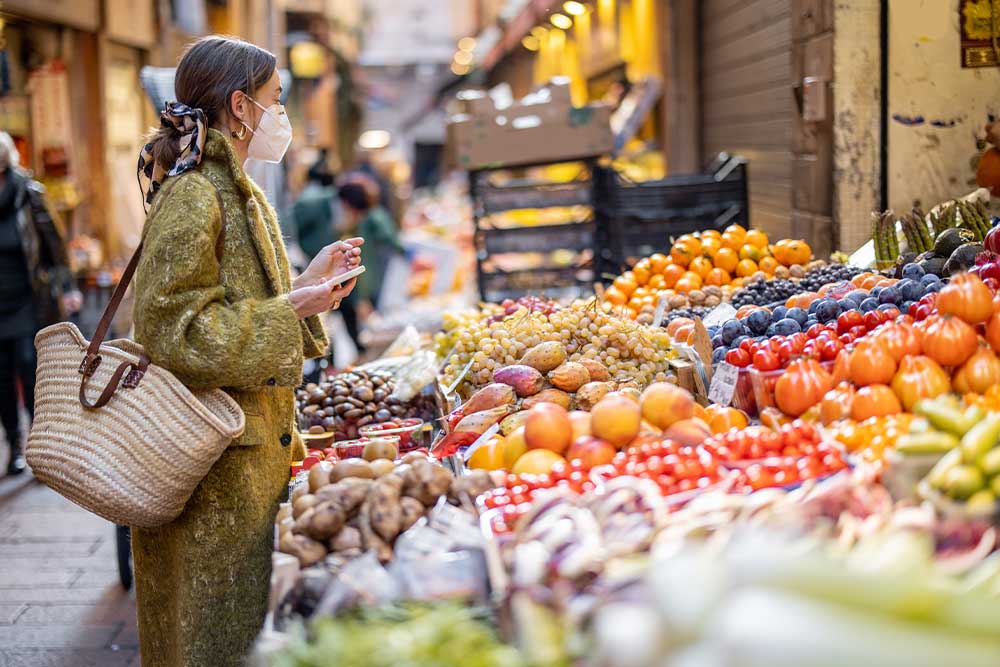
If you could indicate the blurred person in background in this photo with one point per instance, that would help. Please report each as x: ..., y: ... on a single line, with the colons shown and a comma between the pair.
x: 362, y: 215
x: 314, y: 208
x: 36, y: 288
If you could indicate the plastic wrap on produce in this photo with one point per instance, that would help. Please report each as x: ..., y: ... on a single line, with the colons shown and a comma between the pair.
x: 361, y: 581
x: 406, y: 344
x: 419, y: 371
x: 442, y: 575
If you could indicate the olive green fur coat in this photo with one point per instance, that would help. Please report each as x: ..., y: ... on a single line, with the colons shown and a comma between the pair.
x: 202, y: 580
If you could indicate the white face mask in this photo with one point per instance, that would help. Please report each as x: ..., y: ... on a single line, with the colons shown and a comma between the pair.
x: 273, y: 134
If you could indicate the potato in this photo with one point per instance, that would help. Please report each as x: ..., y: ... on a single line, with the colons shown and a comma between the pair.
x: 382, y: 467
x: 386, y: 515
x: 285, y: 526
x: 326, y: 520
x: 369, y: 538
x: 301, y: 525
x: 472, y: 485
x: 349, y: 537
x: 414, y: 456
x: 284, y: 512
x: 355, y: 467
x: 347, y: 494
x: 299, y: 491
x: 412, y: 509
x: 307, y: 550
x: 302, y: 503
x: 427, y: 482
x: 319, y: 475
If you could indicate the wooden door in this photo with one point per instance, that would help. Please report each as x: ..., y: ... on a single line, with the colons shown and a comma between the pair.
x: 747, y: 104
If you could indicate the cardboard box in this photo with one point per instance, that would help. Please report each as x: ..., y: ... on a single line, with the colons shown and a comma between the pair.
x: 542, y: 127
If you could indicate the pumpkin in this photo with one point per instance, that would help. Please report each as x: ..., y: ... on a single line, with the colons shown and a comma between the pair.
x: 871, y: 363
x: 836, y: 403
x: 979, y: 373
x: 988, y: 171
x: 949, y: 340
x: 919, y: 377
x: 967, y: 297
x: 875, y: 400
x: 900, y: 340
x: 801, y: 386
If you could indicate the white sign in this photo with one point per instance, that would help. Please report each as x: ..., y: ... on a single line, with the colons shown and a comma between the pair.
x: 723, y: 386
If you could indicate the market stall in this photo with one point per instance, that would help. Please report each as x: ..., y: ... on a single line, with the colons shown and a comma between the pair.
x: 734, y: 454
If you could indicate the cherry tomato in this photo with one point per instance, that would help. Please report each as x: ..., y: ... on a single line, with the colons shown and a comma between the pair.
x: 738, y: 357
x: 815, y: 330
x: 748, y: 346
x: 765, y: 360
x: 891, y: 313
x: 858, y: 331
x: 811, y: 349
x: 874, y: 318
x: 845, y: 338
x: 828, y: 350
x: 849, y: 319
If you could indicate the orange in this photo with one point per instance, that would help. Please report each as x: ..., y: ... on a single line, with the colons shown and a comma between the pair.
x: 658, y: 262
x: 737, y: 230
x: 751, y: 252
x: 732, y: 241
x: 858, y: 279
x: 710, y: 234
x: 721, y: 419
x: 870, y: 281
x: 746, y: 310
x: 710, y: 246
x: 701, y: 266
x: 672, y: 274
x: 626, y: 283
x: 687, y: 284
x: 780, y: 251
x: 642, y: 272
x: 514, y: 447
x: 798, y: 252
x: 615, y: 296
x: 489, y: 456
x: 727, y: 259
x: 717, y: 277
x: 757, y: 237
x: 768, y: 265
x: 536, y: 462
x: 746, y: 267
x: 681, y: 254
x: 657, y: 281
x: 635, y: 302
x: 649, y: 300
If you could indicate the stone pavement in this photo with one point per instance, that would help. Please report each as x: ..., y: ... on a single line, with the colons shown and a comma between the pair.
x: 61, y: 604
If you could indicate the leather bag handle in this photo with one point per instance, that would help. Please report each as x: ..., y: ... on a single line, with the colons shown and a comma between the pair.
x: 92, y: 359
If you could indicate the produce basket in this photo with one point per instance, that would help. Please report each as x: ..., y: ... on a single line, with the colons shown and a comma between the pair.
x: 570, y: 236
x: 522, y: 194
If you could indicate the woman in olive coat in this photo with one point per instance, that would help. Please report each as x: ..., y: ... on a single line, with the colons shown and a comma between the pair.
x: 216, y: 305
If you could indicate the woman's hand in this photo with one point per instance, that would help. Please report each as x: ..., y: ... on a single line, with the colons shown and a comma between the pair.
x: 333, y: 260
x: 316, y: 299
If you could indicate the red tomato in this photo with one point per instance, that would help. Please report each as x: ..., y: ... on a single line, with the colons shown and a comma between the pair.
x: 786, y: 352
x: 847, y: 320
x: 858, y: 331
x: 815, y: 330
x: 765, y: 360
x: 738, y: 358
x: 748, y: 346
x: 828, y: 350
x: 873, y: 318
x: 811, y: 349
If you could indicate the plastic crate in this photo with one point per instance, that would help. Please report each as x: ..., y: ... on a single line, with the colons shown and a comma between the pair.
x: 554, y: 282
x: 570, y: 236
x: 498, y: 198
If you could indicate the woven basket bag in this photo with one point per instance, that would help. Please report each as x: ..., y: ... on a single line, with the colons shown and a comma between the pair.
x: 136, y: 453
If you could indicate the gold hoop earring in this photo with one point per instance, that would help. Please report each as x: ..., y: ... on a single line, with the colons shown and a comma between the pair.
x: 239, y: 136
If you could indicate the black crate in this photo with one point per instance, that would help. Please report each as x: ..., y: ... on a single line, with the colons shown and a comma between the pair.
x: 498, y: 198
x: 638, y: 219
x: 555, y: 282
x: 543, y: 238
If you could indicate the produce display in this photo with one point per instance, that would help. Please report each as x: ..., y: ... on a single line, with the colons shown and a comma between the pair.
x: 476, y: 347
x: 823, y: 489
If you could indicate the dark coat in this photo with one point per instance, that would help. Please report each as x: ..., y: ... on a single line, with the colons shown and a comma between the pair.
x: 202, y: 580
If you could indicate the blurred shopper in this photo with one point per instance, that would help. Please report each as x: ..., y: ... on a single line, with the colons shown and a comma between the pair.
x: 313, y: 210
x: 36, y: 289
x: 361, y: 215
x: 215, y: 305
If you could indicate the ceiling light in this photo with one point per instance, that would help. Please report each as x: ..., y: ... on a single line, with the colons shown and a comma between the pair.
x: 574, y: 8
x: 530, y: 42
x: 459, y: 70
x: 466, y: 43
x: 463, y: 58
x: 561, y: 21
x: 374, y: 139
x: 539, y: 32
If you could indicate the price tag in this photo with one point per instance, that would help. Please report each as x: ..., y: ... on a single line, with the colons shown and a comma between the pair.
x: 723, y: 383
x: 719, y: 314
x: 661, y: 307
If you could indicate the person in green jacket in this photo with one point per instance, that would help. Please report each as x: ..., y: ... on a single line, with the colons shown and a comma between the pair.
x: 359, y: 216
x: 313, y: 210
x: 216, y: 305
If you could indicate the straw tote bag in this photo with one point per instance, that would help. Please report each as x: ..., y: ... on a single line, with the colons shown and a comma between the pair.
x: 117, y: 435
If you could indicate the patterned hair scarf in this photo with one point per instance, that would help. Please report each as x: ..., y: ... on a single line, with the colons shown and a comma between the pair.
x: 192, y: 125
